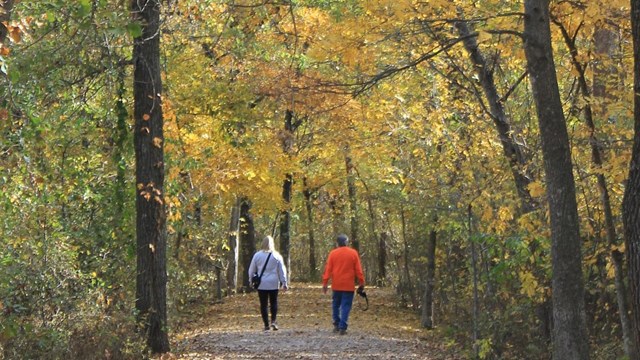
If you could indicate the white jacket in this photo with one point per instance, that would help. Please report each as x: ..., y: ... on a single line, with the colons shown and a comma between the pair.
x: 274, y: 274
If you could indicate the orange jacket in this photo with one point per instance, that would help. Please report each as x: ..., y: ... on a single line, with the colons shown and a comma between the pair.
x: 343, y: 267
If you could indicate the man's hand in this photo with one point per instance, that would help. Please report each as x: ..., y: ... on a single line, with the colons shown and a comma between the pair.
x: 324, y: 289
x: 285, y: 288
x: 360, y: 289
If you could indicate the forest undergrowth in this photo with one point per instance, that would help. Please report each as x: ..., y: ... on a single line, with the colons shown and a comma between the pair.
x: 232, y: 329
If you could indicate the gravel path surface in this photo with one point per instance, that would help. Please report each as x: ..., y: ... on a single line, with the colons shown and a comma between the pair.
x: 233, y: 330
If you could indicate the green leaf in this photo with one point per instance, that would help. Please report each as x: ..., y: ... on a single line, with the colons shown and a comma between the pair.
x: 134, y: 29
x: 85, y: 7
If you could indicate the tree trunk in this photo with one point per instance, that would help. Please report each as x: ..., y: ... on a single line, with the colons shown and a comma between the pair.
x: 631, y: 200
x: 285, y: 222
x: 597, y: 159
x: 511, y: 149
x: 407, y: 260
x: 476, y: 300
x: 430, y: 281
x: 247, y: 240
x: 381, y: 276
x: 382, y: 260
x: 353, y: 203
x: 121, y: 135
x: 287, y: 140
x: 570, y: 340
x: 313, y: 271
x: 234, y: 232
x: 151, y: 231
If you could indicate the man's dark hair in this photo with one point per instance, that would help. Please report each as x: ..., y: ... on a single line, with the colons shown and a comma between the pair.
x: 342, y: 240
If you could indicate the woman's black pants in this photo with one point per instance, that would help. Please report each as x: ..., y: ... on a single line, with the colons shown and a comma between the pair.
x: 268, y: 297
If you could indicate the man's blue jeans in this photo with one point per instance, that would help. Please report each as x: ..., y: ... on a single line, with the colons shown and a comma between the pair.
x: 342, y: 301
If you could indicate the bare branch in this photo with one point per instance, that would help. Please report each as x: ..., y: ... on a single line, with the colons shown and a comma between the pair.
x: 391, y: 71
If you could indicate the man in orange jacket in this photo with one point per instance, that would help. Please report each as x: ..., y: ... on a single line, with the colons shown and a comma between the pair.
x: 343, y: 267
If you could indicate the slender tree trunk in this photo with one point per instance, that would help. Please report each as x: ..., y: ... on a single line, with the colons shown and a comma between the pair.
x: 287, y: 140
x: 474, y: 268
x: 313, y: 271
x: 121, y: 136
x: 631, y: 201
x: 247, y: 239
x: 511, y: 149
x: 234, y: 254
x: 382, y: 259
x: 570, y: 340
x: 407, y: 271
x: 151, y: 282
x: 606, y: 41
x: 381, y: 276
x: 353, y: 202
x: 597, y: 159
x: 430, y: 281
x: 285, y: 222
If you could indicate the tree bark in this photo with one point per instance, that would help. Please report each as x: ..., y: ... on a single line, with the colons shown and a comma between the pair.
x: 570, y: 340
x: 631, y: 200
x: 234, y: 232
x: 285, y: 222
x: 313, y: 271
x: 406, y: 263
x: 597, y: 159
x: 353, y: 202
x: 382, y: 260
x: 287, y: 139
x: 247, y: 239
x: 151, y: 231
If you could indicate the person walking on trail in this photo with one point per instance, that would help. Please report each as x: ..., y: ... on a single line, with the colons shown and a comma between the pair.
x: 343, y: 267
x: 274, y: 276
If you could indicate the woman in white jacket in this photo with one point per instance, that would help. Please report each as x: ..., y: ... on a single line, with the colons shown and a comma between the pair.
x: 275, y: 274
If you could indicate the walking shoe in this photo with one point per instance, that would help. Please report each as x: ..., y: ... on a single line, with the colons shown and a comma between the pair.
x: 266, y: 328
x: 343, y: 331
x: 335, y: 328
x: 274, y: 326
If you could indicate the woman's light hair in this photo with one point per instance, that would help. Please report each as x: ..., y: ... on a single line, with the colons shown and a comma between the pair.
x: 268, y: 244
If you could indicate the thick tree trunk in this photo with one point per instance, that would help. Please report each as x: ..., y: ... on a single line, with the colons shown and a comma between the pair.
x: 597, y: 158
x: 570, y: 340
x: 247, y: 240
x: 313, y: 271
x: 151, y: 281
x: 234, y: 254
x: 511, y: 149
x: 631, y: 201
x: 353, y: 202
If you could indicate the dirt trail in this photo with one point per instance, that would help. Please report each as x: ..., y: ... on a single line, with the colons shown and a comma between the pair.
x: 233, y: 330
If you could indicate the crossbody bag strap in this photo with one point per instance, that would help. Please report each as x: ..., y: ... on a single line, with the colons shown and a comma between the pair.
x: 265, y: 265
